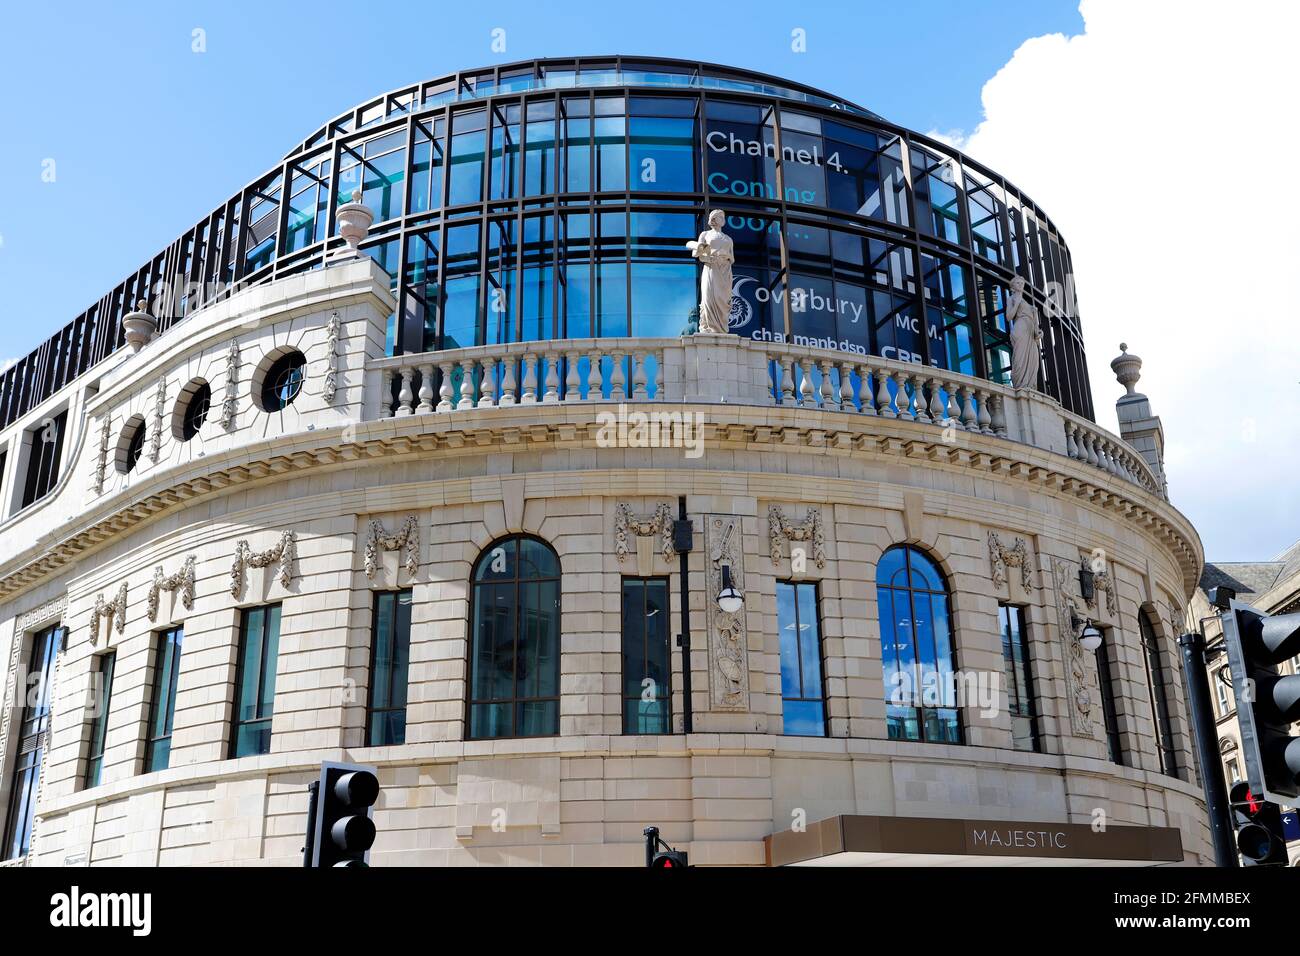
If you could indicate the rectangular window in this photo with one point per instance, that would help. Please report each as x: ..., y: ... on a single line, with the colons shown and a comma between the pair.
x: 1234, y: 773
x: 647, y: 669
x: 1020, y: 682
x: 46, y: 441
x: 1109, y: 714
x: 162, y: 702
x: 390, y: 644
x: 101, y: 695
x: 32, y: 730
x: 803, y: 697
x: 259, y: 646
x: 1221, y: 678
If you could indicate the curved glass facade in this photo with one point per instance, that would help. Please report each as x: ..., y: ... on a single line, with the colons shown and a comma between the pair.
x: 553, y: 199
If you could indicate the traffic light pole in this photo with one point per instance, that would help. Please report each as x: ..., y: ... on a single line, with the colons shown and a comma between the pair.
x: 313, y: 788
x: 1207, y: 749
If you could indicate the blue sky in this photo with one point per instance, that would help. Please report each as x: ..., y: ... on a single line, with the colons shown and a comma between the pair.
x: 147, y: 136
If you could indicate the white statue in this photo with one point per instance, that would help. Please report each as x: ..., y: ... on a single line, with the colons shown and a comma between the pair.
x: 1026, y: 334
x: 716, y: 252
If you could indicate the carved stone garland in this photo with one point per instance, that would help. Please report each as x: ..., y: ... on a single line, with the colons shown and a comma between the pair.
x: 285, y: 552
x: 1076, y: 673
x: 231, y: 402
x: 407, y: 536
x: 159, y: 405
x: 182, y: 580
x: 101, y: 463
x: 810, y: 529
x: 332, y: 355
x: 114, y: 611
x: 1001, y: 557
x: 728, y: 640
x: 643, y: 526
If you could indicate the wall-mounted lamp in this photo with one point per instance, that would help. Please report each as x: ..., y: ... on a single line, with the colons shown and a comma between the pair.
x: 730, y: 600
x: 1087, y: 582
x: 1089, y: 633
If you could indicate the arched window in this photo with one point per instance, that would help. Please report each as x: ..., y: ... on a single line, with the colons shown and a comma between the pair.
x: 1158, y: 694
x: 514, y: 663
x: 916, y: 648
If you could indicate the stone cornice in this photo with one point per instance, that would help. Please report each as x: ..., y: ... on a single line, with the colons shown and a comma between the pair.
x: 532, y: 427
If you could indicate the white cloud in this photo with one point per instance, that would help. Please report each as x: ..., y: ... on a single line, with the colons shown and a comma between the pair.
x: 1161, y: 141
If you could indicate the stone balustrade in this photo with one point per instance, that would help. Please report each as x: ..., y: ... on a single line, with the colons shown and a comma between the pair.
x: 740, y: 371
x: 522, y: 373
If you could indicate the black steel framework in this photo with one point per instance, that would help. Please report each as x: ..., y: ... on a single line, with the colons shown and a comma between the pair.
x: 248, y: 238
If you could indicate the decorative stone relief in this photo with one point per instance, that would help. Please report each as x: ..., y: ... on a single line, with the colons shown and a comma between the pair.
x: 285, y: 552
x: 1076, y: 673
x: 643, y: 526
x: 101, y: 463
x: 1103, y: 583
x: 332, y: 358
x: 159, y: 406
x: 231, y: 402
x: 40, y: 615
x: 379, y: 540
x: 728, y: 641
x: 114, y: 612
x: 810, y: 529
x: 1001, y: 557
x: 182, y: 580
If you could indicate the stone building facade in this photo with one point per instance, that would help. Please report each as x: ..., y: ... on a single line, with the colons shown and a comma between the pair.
x: 372, y: 481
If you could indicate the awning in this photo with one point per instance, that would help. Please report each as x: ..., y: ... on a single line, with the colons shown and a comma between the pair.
x: 921, y: 841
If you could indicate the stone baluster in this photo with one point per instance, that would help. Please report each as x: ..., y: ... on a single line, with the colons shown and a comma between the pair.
x: 659, y: 376
x: 866, y: 398
x: 883, y: 408
x: 846, y: 387
x: 827, y: 390
x: 638, y: 375
x: 466, y: 384
x: 903, y: 401
x: 985, y: 416
x: 444, y: 388
x: 999, y: 417
x: 1090, y: 448
x: 787, y: 380
x: 969, y: 420
x: 488, y: 387
x: 508, y: 384
x: 921, y: 406
x: 595, y: 376
x: 805, y: 384
x: 386, y: 393
x: 552, y: 378
x: 404, y: 395
x: 572, y: 381
x: 616, y: 378
x: 936, y: 403
x: 530, y: 379
x: 952, y: 413
x: 426, y: 389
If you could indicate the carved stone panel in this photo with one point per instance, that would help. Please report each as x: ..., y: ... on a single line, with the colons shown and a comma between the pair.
x: 1078, y: 692
x: 728, y: 640
x: 630, y: 527
x: 1001, y: 558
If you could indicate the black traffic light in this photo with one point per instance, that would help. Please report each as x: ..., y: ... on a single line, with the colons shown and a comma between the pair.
x: 659, y: 855
x: 1259, y: 827
x: 340, y: 829
x: 1268, y: 702
x: 668, y: 860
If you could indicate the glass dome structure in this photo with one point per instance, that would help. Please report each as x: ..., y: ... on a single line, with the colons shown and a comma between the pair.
x: 552, y: 199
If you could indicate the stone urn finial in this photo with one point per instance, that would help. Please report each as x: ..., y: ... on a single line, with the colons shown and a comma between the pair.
x: 1127, y: 368
x: 139, y: 326
x: 355, y: 219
